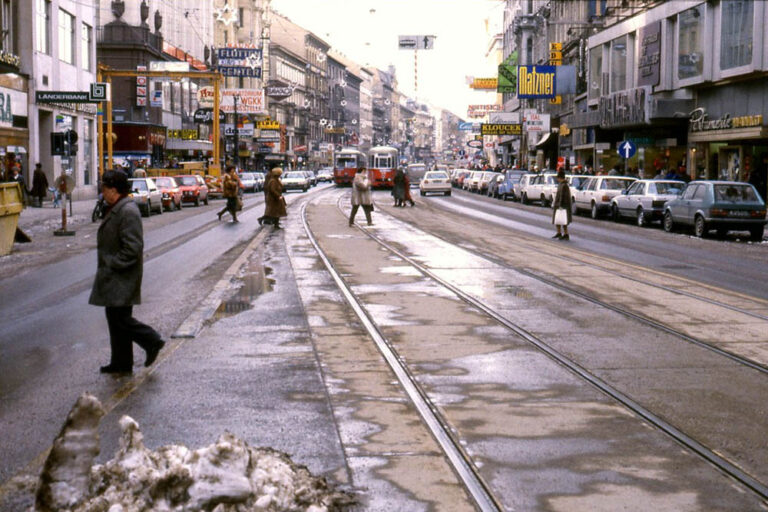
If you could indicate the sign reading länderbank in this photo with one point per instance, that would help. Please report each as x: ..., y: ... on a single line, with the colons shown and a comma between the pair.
x: 536, y: 82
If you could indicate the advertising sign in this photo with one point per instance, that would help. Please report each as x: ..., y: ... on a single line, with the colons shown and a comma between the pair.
x: 535, y: 82
x: 500, y: 129
x: 482, y: 110
x: 536, y: 122
x: 241, y: 61
x: 168, y: 66
x: 507, y: 82
x: 205, y: 116
x: 504, y: 118
x: 484, y: 83
x: 249, y: 101
x: 475, y: 143
x: 243, y: 130
x: 649, y: 60
x: 268, y: 124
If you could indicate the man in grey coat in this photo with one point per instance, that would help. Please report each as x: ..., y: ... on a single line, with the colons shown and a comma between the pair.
x: 117, y: 286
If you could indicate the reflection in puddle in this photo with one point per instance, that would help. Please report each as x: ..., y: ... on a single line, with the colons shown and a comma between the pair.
x: 254, y: 282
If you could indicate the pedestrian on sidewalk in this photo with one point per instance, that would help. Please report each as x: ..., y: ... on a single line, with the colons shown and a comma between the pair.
x: 267, y: 179
x: 39, y: 185
x: 275, y: 200
x: 398, y: 188
x: 230, y: 187
x: 117, y: 287
x: 562, y: 201
x: 361, y: 196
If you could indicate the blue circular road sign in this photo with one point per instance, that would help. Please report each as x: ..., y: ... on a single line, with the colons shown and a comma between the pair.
x: 627, y: 149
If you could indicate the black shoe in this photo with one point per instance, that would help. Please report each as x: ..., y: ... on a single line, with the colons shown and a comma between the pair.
x: 565, y: 237
x: 152, y: 352
x: 278, y: 226
x: 110, y: 368
x: 261, y: 220
x: 558, y: 235
x: 219, y: 215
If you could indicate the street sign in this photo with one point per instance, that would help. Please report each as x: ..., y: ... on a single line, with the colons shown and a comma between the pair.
x: 627, y: 149
x: 462, y: 152
x: 97, y: 92
x: 416, y: 42
x: 475, y: 143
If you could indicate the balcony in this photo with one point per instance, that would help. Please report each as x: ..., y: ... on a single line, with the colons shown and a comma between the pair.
x: 123, y: 35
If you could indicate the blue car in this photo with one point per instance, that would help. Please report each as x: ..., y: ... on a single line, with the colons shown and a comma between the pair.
x: 506, y: 186
x: 720, y: 205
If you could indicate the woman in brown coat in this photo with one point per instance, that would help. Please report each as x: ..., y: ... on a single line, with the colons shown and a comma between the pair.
x: 275, y: 201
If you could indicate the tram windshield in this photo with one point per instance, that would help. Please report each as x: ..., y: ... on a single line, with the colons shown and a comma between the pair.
x: 346, y: 162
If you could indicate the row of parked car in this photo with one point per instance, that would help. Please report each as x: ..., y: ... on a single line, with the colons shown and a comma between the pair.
x: 168, y: 192
x: 702, y: 205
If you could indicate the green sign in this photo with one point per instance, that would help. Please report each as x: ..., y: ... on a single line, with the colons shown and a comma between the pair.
x: 508, y: 75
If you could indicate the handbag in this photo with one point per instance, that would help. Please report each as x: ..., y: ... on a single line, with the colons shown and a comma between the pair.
x: 239, y: 203
x: 561, y: 217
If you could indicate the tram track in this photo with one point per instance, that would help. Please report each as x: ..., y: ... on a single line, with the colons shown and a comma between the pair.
x: 707, y: 453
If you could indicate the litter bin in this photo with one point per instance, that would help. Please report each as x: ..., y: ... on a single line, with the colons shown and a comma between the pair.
x: 11, y: 204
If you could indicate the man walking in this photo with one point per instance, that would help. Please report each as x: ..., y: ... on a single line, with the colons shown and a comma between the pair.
x: 117, y: 287
x: 39, y: 184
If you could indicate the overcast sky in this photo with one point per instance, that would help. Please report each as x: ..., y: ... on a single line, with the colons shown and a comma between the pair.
x: 368, y: 37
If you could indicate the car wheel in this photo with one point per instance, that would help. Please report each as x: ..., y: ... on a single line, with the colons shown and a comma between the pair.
x: 205, y: 201
x: 524, y: 198
x: 699, y: 226
x: 422, y: 193
x: 615, y: 216
x: 160, y: 210
x: 594, y: 212
x: 197, y: 201
x: 641, y: 221
x: 448, y: 193
x: 756, y: 234
x: 669, y: 224
x: 149, y: 209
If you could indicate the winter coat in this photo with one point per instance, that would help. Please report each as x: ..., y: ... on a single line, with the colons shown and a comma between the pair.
x: 399, y: 185
x: 120, y: 243
x: 267, y: 178
x: 230, y: 185
x: 39, y: 184
x: 562, y: 200
x: 361, y: 189
x: 275, y: 202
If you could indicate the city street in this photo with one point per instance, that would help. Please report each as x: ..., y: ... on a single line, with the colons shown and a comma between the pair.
x: 450, y: 357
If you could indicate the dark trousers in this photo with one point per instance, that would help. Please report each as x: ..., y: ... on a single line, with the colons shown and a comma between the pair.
x: 123, y: 331
x: 366, y: 210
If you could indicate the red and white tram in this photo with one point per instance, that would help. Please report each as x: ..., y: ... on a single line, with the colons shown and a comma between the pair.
x: 382, y: 165
x: 345, y: 166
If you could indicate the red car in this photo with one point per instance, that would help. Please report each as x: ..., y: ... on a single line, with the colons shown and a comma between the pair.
x: 193, y: 188
x: 171, y: 192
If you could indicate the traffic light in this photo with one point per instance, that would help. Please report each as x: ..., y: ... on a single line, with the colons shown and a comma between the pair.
x: 71, y: 137
x: 57, y: 144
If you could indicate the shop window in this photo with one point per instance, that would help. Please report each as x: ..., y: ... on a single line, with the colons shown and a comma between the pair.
x: 66, y: 37
x: 619, y: 64
x: 736, y: 26
x: 690, y: 47
x: 595, y: 72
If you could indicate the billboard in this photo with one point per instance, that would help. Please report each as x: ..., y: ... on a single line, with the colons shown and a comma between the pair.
x: 500, y: 129
x: 534, y: 82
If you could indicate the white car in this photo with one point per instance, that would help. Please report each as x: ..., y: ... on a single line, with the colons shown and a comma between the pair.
x: 295, y: 180
x: 249, y: 181
x: 595, y: 195
x: 325, y: 174
x: 541, y: 189
x: 435, y: 181
x: 485, y: 180
x: 146, y: 195
x: 472, y: 181
x: 644, y: 200
x: 519, y: 187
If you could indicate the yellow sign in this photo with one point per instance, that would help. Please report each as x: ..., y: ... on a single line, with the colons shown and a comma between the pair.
x: 557, y: 100
x: 335, y: 130
x: 186, y: 134
x: 553, y: 56
x: 555, y: 47
x: 536, y: 81
x: 565, y: 130
x: 500, y: 129
x: 484, y: 83
x: 268, y: 125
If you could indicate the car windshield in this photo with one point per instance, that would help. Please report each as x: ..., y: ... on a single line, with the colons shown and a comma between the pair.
x: 165, y: 182
x: 294, y: 175
x: 139, y: 185
x: 666, y: 188
x: 246, y: 176
x: 735, y: 194
x: 188, y: 181
x: 616, y: 184
x: 436, y: 175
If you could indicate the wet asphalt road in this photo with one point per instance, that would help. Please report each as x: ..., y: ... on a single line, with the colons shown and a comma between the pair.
x: 271, y: 367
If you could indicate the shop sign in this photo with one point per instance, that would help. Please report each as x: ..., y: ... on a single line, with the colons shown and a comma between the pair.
x: 205, y: 116
x: 536, y: 82
x: 504, y: 117
x: 157, y: 138
x: 186, y: 134
x: 335, y: 130
x: 484, y: 83
x: 535, y: 121
x: 700, y: 121
x: 649, y: 61
x: 507, y: 81
x: 12, y: 103
x: 625, y: 108
x: 245, y: 62
x: 245, y: 130
x: 268, y: 124
x: 269, y: 136
x: 500, y: 129
x: 482, y: 110
x: 249, y: 101
x: 279, y: 92
x: 9, y: 61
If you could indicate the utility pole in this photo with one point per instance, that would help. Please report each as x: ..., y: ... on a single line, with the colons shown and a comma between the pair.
x: 236, y: 159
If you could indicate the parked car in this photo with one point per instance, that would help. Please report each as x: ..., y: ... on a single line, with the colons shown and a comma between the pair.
x: 720, y: 205
x: 416, y: 173
x: 146, y: 195
x: 457, y: 177
x: 325, y: 174
x: 435, y: 181
x: 170, y: 192
x: 215, y: 185
x: 249, y: 182
x: 493, y: 185
x: 472, y: 181
x: 576, y: 181
x: 644, y: 200
x: 311, y: 177
x: 541, y: 189
x: 484, y: 181
x: 596, y: 194
x: 259, y: 179
x: 521, y: 185
x: 507, y: 184
x: 295, y: 180
x: 193, y: 188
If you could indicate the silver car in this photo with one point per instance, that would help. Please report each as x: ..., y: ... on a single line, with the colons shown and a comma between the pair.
x: 644, y: 200
x: 146, y: 195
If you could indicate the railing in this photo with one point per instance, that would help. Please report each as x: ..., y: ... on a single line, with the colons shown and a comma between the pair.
x: 124, y: 34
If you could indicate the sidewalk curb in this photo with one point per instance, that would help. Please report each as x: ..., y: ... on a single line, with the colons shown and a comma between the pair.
x: 195, y: 322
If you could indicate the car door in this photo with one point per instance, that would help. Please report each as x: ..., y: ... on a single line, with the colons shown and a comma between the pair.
x: 629, y: 202
x: 679, y: 209
x: 584, y: 196
x: 697, y: 202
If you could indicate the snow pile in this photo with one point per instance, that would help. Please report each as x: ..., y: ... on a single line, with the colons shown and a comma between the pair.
x: 228, y: 476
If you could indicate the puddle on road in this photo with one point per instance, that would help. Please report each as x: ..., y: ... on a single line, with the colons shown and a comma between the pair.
x: 254, y: 282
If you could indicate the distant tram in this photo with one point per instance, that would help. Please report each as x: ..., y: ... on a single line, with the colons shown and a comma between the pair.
x: 345, y: 166
x: 382, y: 165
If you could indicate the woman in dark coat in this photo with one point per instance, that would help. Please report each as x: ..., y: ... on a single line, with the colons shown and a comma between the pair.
x: 275, y: 201
x: 267, y: 179
x: 562, y: 200
x: 398, y: 190
x: 39, y: 184
x: 117, y: 287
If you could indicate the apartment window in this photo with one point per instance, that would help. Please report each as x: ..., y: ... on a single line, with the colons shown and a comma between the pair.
x: 595, y: 72
x: 6, y: 40
x: 736, y: 33
x: 66, y: 37
x: 690, y: 48
x: 43, y: 26
x: 86, y: 35
x: 619, y: 64
x: 240, y: 17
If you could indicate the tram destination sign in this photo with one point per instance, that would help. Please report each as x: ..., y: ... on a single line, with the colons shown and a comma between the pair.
x: 500, y: 129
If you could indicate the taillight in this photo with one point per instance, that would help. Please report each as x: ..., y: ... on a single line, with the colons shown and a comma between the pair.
x: 757, y: 213
x: 716, y: 212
